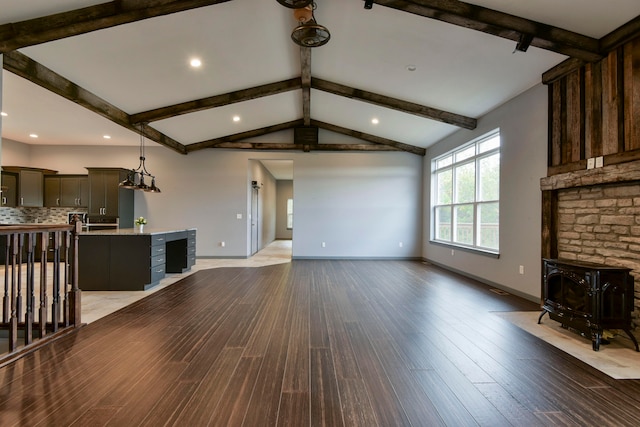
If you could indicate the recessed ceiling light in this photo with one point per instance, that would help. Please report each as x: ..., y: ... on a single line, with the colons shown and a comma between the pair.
x: 106, y: 136
x: 195, y: 62
x: 236, y: 118
x: 411, y: 67
x: 33, y: 135
x: 374, y: 121
x: 3, y: 114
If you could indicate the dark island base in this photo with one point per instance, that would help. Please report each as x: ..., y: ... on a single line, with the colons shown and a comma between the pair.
x: 125, y: 260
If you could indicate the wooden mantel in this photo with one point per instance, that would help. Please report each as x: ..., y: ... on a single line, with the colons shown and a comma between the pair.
x: 610, y: 174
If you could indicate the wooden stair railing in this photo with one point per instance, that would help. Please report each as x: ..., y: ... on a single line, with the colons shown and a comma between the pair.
x: 40, y: 293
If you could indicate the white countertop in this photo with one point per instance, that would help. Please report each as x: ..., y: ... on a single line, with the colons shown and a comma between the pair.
x: 134, y: 231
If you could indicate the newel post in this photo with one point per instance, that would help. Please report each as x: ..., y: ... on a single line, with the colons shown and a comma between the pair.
x: 75, y: 306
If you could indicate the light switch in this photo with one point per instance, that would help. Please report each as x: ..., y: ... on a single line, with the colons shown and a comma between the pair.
x: 591, y: 163
x: 238, y: 216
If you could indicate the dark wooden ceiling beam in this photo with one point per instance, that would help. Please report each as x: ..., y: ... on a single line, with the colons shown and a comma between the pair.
x: 396, y: 104
x: 621, y: 35
x: 613, y: 40
x: 212, y: 143
x: 263, y: 146
x: 80, y: 21
x: 502, y: 25
x: 25, y: 67
x: 305, y: 75
x: 217, y: 101
x: 370, y: 138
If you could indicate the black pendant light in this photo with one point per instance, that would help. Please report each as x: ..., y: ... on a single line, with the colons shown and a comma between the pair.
x: 140, y: 172
x: 295, y: 4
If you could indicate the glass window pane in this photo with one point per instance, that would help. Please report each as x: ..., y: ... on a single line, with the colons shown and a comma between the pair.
x: 466, y: 153
x: 489, y: 225
x: 289, y: 213
x: 445, y: 187
x: 444, y: 162
x: 489, y: 144
x: 443, y: 223
x: 490, y: 177
x: 465, y: 183
x: 463, y: 224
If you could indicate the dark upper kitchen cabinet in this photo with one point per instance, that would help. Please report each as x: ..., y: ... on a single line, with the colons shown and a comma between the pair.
x: 30, y: 185
x: 30, y: 188
x: 66, y: 190
x: 9, y: 189
x: 106, y: 198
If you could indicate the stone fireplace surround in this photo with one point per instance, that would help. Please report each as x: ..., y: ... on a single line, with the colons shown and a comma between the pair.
x: 594, y: 216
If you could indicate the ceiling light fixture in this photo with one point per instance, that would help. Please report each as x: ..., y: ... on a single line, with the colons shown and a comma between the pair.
x: 135, y: 178
x: 195, y: 63
x: 106, y: 136
x: 236, y: 118
x: 3, y: 114
x: 33, y: 135
x: 295, y: 4
x: 309, y: 33
x: 374, y: 121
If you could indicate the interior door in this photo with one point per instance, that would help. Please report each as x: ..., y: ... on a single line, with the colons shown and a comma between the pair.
x: 255, y: 221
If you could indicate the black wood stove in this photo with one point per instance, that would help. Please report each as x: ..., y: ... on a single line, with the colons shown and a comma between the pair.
x: 588, y: 297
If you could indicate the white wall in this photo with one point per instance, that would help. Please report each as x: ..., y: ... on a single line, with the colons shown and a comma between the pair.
x: 361, y: 204
x: 523, y: 129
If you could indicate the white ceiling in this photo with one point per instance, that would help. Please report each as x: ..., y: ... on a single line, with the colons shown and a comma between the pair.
x: 246, y: 43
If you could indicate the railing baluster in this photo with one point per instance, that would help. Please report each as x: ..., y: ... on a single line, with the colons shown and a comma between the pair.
x: 6, y: 302
x: 44, y: 240
x: 55, y: 303
x: 75, y: 308
x: 66, y: 285
x: 13, y: 320
x: 31, y: 299
x: 19, y: 286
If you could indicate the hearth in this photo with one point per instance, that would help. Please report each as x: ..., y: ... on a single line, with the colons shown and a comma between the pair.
x: 588, y: 297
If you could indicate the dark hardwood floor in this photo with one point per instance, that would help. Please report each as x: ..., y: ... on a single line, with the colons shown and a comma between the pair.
x: 321, y: 343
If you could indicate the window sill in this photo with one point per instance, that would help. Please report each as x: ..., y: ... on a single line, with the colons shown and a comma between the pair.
x: 476, y: 251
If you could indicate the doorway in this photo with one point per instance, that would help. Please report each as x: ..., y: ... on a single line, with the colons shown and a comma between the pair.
x: 268, y: 200
x: 255, y: 217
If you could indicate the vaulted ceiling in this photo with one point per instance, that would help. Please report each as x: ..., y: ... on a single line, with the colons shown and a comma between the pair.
x: 76, y: 70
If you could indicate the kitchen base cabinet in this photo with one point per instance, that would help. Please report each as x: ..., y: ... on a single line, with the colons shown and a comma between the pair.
x: 127, y: 260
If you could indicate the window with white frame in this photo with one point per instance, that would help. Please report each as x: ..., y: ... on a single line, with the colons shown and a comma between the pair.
x: 466, y: 195
x: 289, y: 214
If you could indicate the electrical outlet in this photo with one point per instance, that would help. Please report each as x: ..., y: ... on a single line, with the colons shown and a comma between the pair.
x: 599, y: 161
x: 453, y: 252
x: 239, y: 216
x: 222, y: 244
x: 591, y: 163
x: 521, y: 269
x: 400, y: 244
x: 324, y: 244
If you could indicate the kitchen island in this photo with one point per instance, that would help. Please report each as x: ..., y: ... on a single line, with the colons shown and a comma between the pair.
x: 126, y: 259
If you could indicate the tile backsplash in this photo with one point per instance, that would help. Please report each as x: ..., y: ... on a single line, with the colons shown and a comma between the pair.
x: 36, y: 215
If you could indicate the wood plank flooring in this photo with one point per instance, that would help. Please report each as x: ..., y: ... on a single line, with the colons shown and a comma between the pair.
x: 313, y: 343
